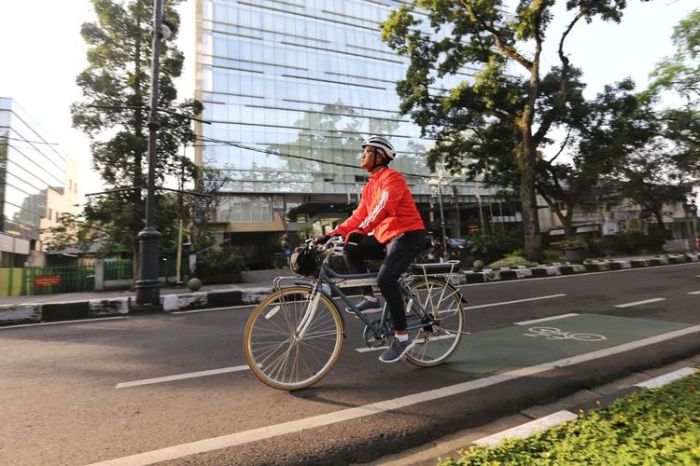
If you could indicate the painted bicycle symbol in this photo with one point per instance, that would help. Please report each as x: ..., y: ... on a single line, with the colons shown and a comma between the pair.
x: 552, y: 333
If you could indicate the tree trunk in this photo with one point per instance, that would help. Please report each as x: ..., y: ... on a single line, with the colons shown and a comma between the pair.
x: 531, y: 225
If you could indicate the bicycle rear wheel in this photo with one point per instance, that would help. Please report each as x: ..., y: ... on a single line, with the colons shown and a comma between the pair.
x: 276, y: 354
x: 437, y: 341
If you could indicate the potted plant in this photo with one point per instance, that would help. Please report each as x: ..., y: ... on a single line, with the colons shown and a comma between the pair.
x: 574, y: 248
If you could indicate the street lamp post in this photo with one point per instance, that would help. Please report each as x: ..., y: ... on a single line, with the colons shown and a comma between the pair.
x: 148, y: 283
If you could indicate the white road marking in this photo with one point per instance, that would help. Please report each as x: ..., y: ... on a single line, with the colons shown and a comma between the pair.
x: 63, y: 322
x: 210, y: 309
x: 367, y: 350
x: 545, y: 319
x: 666, y: 378
x: 481, y: 306
x: 526, y: 430
x: 298, y: 425
x: 383, y: 347
x: 188, y: 375
x: 638, y: 303
x: 694, y: 292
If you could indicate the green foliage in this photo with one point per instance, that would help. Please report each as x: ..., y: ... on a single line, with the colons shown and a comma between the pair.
x: 627, y: 243
x: 492, y: 246
x: 498, y: 119
x: 681, y: 72
x: 219, y: 261
x: 574, y: 242
x: 549, y: 256
x: 114, y: 114
x: 199, y: 209
x: 513, y: 259
x: 651, y: 427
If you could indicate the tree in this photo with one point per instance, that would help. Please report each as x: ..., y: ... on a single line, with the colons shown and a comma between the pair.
x: 114, y: 113
x: 496, y: 112
x: 201, y: 207
x: 681, y: 72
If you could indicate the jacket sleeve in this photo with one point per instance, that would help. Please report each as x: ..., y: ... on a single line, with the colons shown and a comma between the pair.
x: 352, y: 223
x: 393, y: 190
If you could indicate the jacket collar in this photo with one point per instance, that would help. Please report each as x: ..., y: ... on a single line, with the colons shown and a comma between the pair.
x: 376, y: 174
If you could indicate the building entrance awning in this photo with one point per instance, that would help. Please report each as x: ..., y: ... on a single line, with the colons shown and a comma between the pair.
x: 320, y: 208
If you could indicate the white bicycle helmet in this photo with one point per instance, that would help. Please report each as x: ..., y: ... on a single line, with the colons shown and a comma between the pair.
x: 380, y: 143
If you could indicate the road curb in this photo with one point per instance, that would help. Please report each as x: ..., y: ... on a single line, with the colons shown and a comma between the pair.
x: 557, y: 269
x: 524, y: 422
x: 95, y: 308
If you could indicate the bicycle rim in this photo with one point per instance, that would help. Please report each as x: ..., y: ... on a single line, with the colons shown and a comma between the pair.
x: 434, y: 344
x: 275, y: 354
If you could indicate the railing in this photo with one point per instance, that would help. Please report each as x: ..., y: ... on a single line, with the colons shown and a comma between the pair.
x: 24, y: 281
x: 46, y: 280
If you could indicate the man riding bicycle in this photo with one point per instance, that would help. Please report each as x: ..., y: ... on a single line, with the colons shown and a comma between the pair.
x: 385, y: 225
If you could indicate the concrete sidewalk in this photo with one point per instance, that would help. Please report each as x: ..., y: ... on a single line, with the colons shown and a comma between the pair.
x: 258, y: 284
x: 85, y: 305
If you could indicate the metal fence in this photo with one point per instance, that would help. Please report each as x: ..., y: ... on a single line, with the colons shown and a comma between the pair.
x: 23, y: 281
x: 46, y: 280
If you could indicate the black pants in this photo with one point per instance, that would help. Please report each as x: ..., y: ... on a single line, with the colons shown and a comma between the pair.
x: 398, y: 255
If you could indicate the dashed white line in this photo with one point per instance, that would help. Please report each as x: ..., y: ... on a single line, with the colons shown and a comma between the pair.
x: 545, y: 319
x: 503, y: 303
x: 694, y: 292
x: 526, y: 430
x: 666, y: 378
x: 639, y: 303
x: 188, y: 375
x: 298, y: 425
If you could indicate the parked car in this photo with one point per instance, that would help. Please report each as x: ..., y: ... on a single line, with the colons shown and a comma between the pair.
x: 457, y: 243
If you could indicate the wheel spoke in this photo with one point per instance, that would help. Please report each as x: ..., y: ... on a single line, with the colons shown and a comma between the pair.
x: 436, y: 300
x: 273, y: 349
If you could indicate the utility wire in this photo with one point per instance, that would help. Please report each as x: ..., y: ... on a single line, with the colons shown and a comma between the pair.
x: 300, y: 157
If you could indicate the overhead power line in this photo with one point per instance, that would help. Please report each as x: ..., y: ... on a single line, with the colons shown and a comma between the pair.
x: 300, y: 157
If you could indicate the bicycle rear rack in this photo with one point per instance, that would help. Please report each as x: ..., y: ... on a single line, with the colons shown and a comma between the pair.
x: 445, y: 270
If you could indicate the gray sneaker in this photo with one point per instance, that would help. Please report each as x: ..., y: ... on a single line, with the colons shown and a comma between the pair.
x: 364, y: 305
x: 397, y: 350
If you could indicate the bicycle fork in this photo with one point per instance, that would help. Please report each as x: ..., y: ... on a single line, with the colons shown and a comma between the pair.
x: 310, y: 312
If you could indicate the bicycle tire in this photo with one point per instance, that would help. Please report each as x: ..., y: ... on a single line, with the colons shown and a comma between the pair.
x: 436, y: 345
x: 274, y: 354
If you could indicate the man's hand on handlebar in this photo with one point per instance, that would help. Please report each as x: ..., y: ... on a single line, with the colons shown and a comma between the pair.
x: 320, y: 240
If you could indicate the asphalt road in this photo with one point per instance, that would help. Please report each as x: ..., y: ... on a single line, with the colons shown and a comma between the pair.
x: 175, y: 388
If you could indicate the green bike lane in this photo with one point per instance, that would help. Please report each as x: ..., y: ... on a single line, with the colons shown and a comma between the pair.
x: 504, y: 349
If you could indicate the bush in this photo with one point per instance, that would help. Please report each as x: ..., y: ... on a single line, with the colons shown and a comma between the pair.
x: 657, y: 426
x: 549, y: 256
x: 219, y: 265
x: 492, y: 246
x: 628, y: 243
x: 513, y: 259
x: 574, y: 242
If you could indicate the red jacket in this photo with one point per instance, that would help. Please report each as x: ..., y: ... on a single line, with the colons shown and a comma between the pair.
x: 386, y: 209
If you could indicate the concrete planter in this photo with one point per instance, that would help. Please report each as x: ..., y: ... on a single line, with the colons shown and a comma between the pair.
x: 574, y: 255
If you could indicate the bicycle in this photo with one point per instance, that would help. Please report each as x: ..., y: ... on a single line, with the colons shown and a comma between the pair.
x: 294, y: 337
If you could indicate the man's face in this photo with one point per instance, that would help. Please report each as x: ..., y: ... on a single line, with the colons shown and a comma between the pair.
x: 370, y: 158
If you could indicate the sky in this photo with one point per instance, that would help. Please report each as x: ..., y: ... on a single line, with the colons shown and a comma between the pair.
x: 42, y: 53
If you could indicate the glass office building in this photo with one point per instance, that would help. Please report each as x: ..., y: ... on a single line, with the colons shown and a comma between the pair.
x: 35, y: 186
x: 290, y: 89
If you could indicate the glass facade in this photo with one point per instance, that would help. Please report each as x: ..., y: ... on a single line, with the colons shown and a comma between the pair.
x: 29, y: 166
x: 291, y: 88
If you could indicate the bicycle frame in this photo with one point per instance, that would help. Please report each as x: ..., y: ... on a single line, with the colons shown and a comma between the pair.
x: 333, y: 280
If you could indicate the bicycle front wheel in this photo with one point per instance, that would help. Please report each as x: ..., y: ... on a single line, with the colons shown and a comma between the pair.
x: 444, y: 322
x: 276, y: 352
